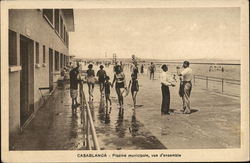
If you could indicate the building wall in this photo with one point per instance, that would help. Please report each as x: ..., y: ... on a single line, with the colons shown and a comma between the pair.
x: 14, y: 101
x: 41, y: 76
x: 33, y: 25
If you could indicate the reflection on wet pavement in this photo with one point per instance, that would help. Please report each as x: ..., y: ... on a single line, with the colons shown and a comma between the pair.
x: 55, y: 127
x: 118, y: 128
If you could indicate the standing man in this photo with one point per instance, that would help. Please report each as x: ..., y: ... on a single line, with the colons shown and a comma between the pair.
x: 166, y: 81
x: 152, y: 70
x: 185, y: 86
x: 74, y: 85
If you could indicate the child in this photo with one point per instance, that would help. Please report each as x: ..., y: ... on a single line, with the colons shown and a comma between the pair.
x: 101, y: 74
x: 107, y: 85
x: 134, y: 87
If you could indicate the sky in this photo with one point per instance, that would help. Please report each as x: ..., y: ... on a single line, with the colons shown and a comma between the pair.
x: 157, y: 33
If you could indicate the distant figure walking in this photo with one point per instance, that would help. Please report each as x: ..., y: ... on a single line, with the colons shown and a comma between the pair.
x: 142, y: 69
x: 120, y: 84
x: 74, y: 86
x: 152, y: 71
x: 185, y: 86
x: 107, y: 85
x: 166, y: 81
x: 101, y: 74
x: 91, y: 81
x: 134, y: 87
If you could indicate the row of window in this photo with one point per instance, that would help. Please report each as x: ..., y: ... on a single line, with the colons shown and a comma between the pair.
x: 56, y: 21
x: 60, y: 58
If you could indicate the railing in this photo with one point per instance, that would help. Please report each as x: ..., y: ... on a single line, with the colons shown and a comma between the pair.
x: 88, y: 124
x: 222, y: 81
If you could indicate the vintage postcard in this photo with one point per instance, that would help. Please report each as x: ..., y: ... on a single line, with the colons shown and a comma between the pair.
x: 125, y: 81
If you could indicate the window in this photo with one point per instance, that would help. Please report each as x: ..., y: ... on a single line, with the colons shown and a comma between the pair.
x: 64, y: 33
x: 67, y: 39
x: 61, y: 60
x: 12, y: 48
x: 65, y: 60
x: 44, y: 54
x: 61, y: 27
x: 57, y: 26
x: 37, y: 53
x: 48, y: 14
x: 56, y: 61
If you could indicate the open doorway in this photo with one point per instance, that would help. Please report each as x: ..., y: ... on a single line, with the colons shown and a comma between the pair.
x: 26, y: 78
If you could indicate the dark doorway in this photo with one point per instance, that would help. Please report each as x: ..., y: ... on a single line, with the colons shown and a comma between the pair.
x: 51, y: 69
x: 26, y: 78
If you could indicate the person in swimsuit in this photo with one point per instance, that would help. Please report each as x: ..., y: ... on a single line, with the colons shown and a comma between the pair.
x: 120, y: 84
x: 91, y: 81
x: 134, y: 87
x: 107, y: 85
x: 101, y: 74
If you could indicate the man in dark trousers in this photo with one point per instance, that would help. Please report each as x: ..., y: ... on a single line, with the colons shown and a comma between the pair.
x: 74, y: 85
x: 166, y: 81
x: 152, y: 70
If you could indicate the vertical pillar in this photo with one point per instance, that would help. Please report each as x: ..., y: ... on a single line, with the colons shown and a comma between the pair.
x: 59, y: 61
x: 18, y: 48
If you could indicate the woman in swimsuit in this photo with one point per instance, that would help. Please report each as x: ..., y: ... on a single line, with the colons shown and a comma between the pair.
x: 120, y: 84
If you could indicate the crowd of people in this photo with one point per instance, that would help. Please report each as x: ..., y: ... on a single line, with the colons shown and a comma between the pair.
x: 122, y: 90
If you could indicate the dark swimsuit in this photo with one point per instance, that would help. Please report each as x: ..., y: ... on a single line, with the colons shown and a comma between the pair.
x: 119, y: 80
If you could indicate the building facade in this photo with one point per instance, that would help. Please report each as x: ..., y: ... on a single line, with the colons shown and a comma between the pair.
x: 38, y: 49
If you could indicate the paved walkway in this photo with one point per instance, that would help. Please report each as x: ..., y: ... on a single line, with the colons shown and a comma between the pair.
x: 53, y: 128
x: 214, y: 122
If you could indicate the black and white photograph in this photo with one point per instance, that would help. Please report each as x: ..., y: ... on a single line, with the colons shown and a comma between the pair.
x: 123, y: 80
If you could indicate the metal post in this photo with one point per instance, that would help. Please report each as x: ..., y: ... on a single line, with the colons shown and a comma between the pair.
x: 207, y: 82
x: 87, y: 132
x: 88, y: 123
x: 93, y: 132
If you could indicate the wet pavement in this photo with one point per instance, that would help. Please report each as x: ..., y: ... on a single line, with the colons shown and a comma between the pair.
x: 54, y: 127
x: 213, y: 123
x: 120, y: 129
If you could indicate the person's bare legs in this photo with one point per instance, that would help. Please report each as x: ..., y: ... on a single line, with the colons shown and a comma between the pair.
x: 134, y: 93
x: 119, y: 95
x: 101, y: 88
x: 89, y: 88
